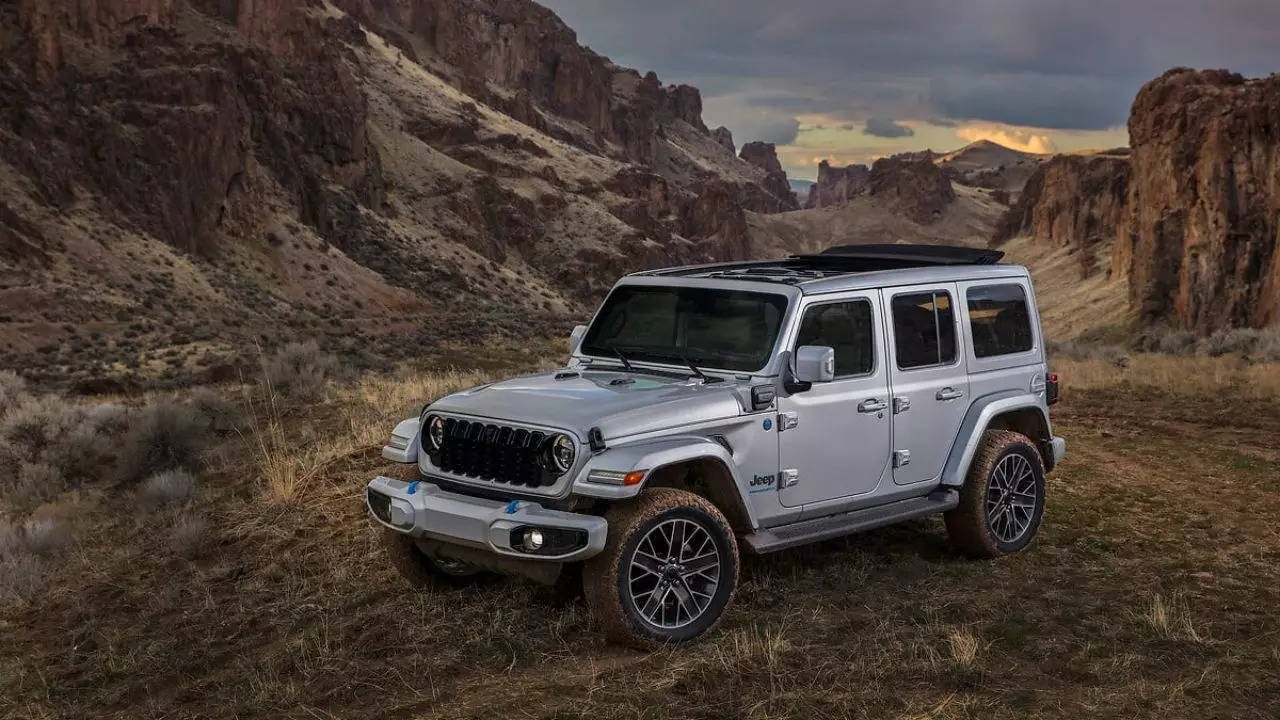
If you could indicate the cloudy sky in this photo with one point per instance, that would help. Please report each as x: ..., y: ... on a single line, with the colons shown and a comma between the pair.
x: 853, y: 80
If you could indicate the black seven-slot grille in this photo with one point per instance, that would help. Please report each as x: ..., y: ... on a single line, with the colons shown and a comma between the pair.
x: 497, y: 453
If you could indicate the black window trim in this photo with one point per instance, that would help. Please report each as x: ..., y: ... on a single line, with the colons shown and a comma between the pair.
x: 867, y: 298
x: 959, y: 338
x: 1026, y: 299
x: 790, y: 306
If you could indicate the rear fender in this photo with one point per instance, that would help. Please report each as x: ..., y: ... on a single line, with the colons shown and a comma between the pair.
x: 981, y: 414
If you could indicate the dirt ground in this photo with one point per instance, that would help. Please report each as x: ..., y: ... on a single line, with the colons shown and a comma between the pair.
x: 1151, y: 592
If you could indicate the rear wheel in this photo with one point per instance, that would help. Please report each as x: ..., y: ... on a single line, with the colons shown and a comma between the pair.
x: 422, y: 570
x: 1002, y: 501
x: 668, y: 570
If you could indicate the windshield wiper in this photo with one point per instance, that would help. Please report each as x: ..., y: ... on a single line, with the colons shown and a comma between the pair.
x: 626, y: 364
x: 698, y: 373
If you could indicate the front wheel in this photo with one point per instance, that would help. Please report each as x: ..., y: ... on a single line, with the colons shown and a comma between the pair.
x: 667, y: 572
x: 1002, y: 501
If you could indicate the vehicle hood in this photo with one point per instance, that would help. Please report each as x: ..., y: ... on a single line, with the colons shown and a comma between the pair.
x: 619, y: 403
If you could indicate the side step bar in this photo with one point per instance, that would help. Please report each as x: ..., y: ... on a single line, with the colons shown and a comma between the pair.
x: 825, y: 528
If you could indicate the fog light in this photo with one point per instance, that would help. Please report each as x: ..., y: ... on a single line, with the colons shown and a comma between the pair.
x: 532, y: 539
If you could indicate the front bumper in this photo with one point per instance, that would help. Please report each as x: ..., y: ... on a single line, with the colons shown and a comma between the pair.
x: 424, y: 510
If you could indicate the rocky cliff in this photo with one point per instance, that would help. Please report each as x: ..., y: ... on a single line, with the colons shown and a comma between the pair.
x: 836, y: 186
x: 913, y: 186
x: 216, y: 172
x: 1199, y: 236
x: 765, y: 156
x: 1073, y: 201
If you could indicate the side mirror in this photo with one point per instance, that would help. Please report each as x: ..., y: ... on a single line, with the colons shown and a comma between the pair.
x: 815, y: 363
x: 575, y: 337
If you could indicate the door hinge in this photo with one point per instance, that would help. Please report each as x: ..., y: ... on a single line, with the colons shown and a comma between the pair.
x: 787, y: 421
x: 901, y: 458
x: 790, y: 477
x: 901, y: 405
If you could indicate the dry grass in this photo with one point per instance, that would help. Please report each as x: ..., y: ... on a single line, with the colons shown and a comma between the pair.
x: 1170, y: 618
x: 1171, y: 375
x: 1151, y: 592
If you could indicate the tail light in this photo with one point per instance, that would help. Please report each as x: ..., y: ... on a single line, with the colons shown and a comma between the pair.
x: 1051, y: 389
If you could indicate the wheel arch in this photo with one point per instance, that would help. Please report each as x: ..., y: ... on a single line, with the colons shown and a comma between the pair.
x: 1019, y: 412
x: 697, y: 464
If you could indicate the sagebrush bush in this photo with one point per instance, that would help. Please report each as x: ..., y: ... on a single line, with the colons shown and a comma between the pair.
x: 35, y: 423
x: 13, y: 389
x: 20, y: 570
x: 163, y: 436
x: 299, y: 372
x: 187, y: 536
x: 1234, y: 341
x: 220, y: 415
x: 1177, y: 342
x: 36, y: 483
x: 46, y: 537
x: 166, y: 488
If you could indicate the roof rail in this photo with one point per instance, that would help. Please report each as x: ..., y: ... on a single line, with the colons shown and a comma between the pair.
x: 892, y: 256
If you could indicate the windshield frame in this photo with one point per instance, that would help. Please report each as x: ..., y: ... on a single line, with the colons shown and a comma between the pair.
x: 788, y: 294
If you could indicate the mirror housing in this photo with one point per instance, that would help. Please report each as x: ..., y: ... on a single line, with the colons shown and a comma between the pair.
x: 575, y: 337
x: 815, y: 364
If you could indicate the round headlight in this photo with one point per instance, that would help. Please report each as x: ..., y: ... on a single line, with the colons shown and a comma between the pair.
x: 562, y: 453
x: 435, y: 432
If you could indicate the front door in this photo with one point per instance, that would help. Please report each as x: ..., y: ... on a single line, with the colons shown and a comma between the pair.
x: 929, y: 379
x: 834, y: 436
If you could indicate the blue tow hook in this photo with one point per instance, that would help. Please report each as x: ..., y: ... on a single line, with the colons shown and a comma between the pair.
x: 413, y: 487
x: 512, y: 507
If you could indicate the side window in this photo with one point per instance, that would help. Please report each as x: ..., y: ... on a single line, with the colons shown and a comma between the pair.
x: 924, y: 329
x: 845, y: 326
x: 999, y: 319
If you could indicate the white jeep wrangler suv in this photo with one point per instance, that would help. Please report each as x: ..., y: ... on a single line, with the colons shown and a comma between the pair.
x: 750, y: 405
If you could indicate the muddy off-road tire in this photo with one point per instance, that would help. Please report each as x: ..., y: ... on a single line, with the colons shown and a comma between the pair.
x: 667, y: 572
x: 1002, y: 501
x: 422, y: 571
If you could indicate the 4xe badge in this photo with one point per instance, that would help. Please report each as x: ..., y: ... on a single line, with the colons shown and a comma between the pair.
x: 761, y: 483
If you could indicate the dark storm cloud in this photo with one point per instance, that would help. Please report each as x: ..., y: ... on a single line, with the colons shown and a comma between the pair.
x: 886, y: 128
x: 1048, y: 63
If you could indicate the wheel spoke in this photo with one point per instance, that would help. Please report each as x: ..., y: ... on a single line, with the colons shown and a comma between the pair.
x: 674, y: 573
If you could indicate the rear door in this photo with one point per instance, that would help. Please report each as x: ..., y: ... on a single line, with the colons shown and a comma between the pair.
x: 928, y: 378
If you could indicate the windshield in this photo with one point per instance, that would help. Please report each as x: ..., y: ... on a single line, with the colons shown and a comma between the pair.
x: 722, y: 329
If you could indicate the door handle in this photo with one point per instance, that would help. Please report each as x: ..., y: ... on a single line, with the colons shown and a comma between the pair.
x: 871, y: 405
x: 948, y: 393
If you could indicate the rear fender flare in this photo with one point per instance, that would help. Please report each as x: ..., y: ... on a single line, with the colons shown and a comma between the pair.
x: 981, y: 413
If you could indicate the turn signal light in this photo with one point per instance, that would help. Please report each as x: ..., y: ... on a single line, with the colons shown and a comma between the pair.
x: 633, y: 478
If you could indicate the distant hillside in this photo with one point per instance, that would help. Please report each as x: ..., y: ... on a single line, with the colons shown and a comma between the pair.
x: 182, y: 180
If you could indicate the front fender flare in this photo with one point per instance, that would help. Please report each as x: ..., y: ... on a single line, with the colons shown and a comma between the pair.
x: 981, y: 413
x: 651, y: 455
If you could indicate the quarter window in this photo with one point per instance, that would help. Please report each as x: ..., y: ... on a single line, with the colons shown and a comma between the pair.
x: 924, y: 330
x: 999, y: 319
x: 846, y: 327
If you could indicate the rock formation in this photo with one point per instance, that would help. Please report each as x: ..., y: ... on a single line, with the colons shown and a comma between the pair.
x: 765, y: 156
x: 218, y: 171
x: 914, y: 186
x: 836, y: 186
x: 723, y: 136
x: 1199, y: 237
x: 1075, y: 201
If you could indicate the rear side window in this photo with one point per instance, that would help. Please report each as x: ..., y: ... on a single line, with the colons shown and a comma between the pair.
x: 999, y: 319
x: 846, y: 327
x: 924, y: 330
